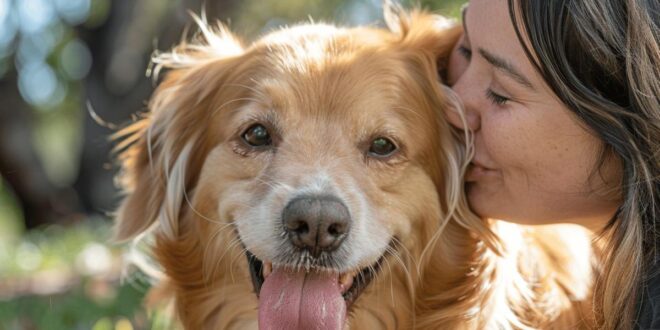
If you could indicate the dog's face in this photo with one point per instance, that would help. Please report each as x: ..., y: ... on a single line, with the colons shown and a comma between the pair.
x: 318, y: 152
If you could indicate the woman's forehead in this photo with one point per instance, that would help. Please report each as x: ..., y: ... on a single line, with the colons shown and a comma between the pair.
x: 492, y: 36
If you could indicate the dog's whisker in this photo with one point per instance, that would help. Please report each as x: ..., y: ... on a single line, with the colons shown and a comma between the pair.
x: 250, y: 88
x: 406, y: 266
x: 389, y: 268
x: 231, y: 264
x: 189, y: 203
x: 216, y: 263
x: 410, y: 111
x: 212, y: 240
x: 275, y: 184
x: 232, y: 101
x: 207, y: 248
x: 210, y: 267
x: 240, y: 253
x: 409, y: 277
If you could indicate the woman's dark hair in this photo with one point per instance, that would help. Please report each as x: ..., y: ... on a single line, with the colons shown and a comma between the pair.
x: 601, y: 59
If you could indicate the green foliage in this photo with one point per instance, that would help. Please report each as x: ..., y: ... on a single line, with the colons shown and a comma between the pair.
x: 446, y: 7
x: 51, y: 248
x: 11, y: 219
x: 69, y: 278
x: 257, y: 17
x: 74, y: 310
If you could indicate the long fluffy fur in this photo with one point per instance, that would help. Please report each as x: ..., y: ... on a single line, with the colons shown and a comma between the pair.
x: 452, y: 271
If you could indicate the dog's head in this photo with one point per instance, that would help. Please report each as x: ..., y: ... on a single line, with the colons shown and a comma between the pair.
x: 319, y: 152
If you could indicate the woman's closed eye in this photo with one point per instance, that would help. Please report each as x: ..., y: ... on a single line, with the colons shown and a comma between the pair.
x: 465, y: 52
x: 497, y: 99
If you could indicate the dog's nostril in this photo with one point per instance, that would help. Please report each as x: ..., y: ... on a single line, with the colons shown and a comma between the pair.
x: 336, y: 229
x: 298, y: 226
x: 316, y: 223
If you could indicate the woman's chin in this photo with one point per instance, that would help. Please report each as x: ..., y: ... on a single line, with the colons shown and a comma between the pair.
x: 490, y: 203
x: 478, y: 200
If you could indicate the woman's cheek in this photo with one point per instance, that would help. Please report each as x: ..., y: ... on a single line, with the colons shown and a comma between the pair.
x: 514, y: 144
x: 506, y: 141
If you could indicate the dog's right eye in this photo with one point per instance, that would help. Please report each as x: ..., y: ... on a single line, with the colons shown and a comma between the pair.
x: 257, y: 136
x: 382, y: 147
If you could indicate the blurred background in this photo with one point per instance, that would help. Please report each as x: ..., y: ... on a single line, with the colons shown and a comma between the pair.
x: 71, y: 72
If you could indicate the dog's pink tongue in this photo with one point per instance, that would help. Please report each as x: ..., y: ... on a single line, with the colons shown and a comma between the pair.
x: 301, y: 300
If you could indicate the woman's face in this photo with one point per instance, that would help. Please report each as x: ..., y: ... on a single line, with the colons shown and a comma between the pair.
x: 534, y: 162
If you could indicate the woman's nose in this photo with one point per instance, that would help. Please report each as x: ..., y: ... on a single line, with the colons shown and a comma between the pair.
x: 470, y: 119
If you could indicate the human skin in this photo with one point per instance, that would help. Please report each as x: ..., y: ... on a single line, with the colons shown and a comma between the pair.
x: 535, y: 162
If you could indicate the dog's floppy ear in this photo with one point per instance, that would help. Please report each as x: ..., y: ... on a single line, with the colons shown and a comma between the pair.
x: 427, y: 41
x: 435, y: 35
x: 162, y: 153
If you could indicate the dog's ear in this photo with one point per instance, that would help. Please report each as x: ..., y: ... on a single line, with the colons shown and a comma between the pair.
x: 161, y: 154
x: 428, y: 41
x: 435, y: 35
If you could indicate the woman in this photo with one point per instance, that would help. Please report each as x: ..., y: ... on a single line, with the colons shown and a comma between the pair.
x: 562, y: 98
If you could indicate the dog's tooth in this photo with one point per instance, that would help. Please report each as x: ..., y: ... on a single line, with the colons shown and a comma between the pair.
x: 345, y: 281
x: 267, y: 269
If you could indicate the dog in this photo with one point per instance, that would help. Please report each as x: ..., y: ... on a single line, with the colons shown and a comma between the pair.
x: 310, y: 180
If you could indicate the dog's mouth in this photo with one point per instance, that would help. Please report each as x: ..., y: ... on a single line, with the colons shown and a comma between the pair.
x: 351, y: 283
x: 298, y: 298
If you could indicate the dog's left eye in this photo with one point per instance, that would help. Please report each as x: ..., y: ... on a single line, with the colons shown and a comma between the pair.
x: 381, y: 147
x: 257, y: 136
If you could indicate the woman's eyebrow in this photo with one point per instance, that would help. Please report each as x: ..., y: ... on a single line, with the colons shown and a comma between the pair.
x: 506, y: 67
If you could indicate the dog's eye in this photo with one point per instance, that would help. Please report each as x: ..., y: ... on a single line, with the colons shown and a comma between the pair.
x: 257, y: 136
x: 381, y: 147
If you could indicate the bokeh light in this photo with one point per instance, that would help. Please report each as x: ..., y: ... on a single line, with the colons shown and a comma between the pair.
x: 35, y: 15
x: 33, y: 31
x: 38, y: 83
x: 75, y: 59
x: 73, y: 11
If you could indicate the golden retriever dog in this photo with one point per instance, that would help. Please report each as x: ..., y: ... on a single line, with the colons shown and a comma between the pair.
x: 310, y: 180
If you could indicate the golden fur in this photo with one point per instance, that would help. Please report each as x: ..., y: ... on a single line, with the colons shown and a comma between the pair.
x: 189, y: 181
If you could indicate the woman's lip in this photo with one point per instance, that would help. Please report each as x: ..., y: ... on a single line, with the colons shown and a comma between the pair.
x: 476, y: 171
x: 480, y: 164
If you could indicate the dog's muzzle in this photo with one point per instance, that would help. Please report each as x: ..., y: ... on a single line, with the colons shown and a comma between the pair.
x: 306, y: 290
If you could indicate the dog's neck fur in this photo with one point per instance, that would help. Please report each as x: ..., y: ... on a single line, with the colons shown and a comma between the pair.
x: 532, y: 285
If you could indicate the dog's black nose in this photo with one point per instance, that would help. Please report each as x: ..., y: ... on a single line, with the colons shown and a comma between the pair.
x: 316, y: 223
